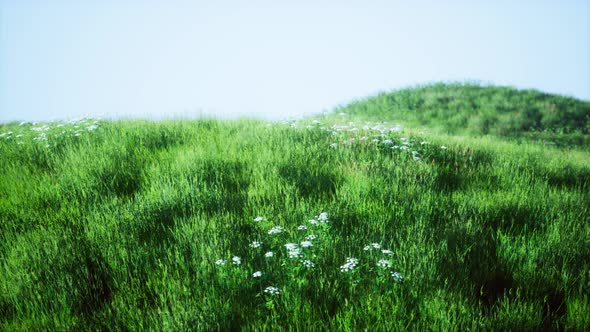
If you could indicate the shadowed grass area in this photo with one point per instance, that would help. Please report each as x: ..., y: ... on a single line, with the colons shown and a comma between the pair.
x: 133, y: 225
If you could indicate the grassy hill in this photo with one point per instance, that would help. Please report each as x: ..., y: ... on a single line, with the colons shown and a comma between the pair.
x: 465, y: 108
x: 339, y: 222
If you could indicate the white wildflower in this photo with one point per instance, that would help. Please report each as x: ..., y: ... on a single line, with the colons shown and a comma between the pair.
x: 384, y: 263
x: 236, y: 260
x: 255, y: 244
x: 295, y: 253
x: 306, y: 244
x: 387, y: 252
x: 313, y: 221
x: 323, y: 217
x: 269, y: 254
x: 291, y: 246
x: 276, y: 230
x: 350, y: 264
x: 311, y: 237
x: 333, y: 145
x: 257, y: 274
x: 220, y: 262
x: 301, y: 227
x: 307, y: 263
x: 443, y: 147
x: 258, y: 219
x: 387, y: 142
x: 397, y: 277
x: 272, y: 290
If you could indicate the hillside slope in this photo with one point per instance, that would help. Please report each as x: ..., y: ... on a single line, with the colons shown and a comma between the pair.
x: 329, y: 223
x: 466, y: 108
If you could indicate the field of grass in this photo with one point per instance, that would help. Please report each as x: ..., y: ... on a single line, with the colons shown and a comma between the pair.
x: 344, y: 221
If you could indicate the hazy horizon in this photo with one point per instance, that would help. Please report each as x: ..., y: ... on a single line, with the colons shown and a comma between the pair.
x: 64, y: 59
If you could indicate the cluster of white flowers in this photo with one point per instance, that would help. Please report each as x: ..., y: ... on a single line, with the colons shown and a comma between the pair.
x: 382, y: 132
x: 255, y: 244
x: 372, y: 246
x: 291, y: 246
x: 397, y: 277
x: 384, y: 263
x: 46, y: 132
x: 298, y: 250
x: 377, y: 246
x: 41, y: 137
x: 307, y: 263
x: 350, y: 264
x: 416, y: 156
x: 42, y: 128
x: 306, y: 244
x: 294, y: 251
x: 276, y: 230
x: 272, y: 290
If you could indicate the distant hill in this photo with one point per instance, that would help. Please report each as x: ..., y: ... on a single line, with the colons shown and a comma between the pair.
x: 468, y: 108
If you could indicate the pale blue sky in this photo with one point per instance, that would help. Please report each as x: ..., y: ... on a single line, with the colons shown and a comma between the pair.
x: 62, y: 59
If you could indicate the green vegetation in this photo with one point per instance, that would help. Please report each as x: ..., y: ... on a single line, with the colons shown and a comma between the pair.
x: 466, y: 108
x: 135, y: 225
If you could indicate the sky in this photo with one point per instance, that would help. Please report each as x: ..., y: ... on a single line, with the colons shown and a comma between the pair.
x: 63, y: 59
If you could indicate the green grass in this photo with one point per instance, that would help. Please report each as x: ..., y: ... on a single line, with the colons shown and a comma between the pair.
x: 134, y: 225
x: 468, y: 108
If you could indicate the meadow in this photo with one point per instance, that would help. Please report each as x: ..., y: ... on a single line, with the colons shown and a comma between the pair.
x: 446, y: 207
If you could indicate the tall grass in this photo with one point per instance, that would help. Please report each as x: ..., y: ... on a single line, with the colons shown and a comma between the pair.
x: 135, y: 225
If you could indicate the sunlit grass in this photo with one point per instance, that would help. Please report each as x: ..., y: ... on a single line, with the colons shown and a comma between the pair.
x: 332, y: 223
